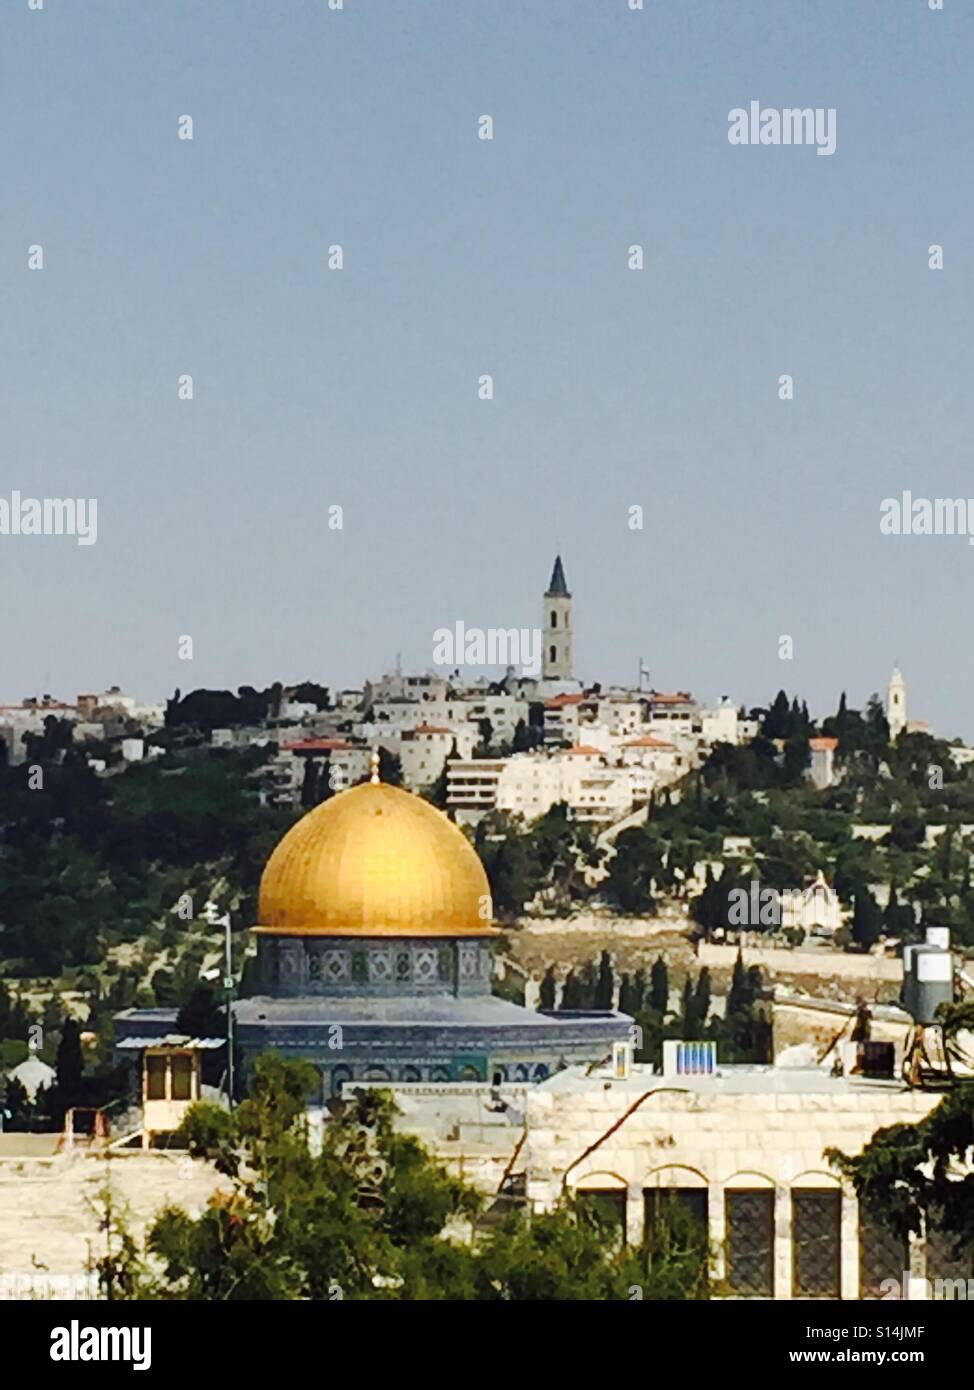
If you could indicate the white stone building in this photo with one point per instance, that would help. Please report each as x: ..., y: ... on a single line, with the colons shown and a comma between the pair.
x: 720, y: 725
x: 504, y: 712
x: 424, y: 750
x: 744, y: 1151
x: 821, y: 768
x: 816, y: 908
x: 653, y: 762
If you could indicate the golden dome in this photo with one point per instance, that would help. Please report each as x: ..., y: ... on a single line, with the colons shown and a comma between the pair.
x: 375, y: 861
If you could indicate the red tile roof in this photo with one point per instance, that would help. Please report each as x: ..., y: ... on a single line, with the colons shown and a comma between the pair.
x: 822, y: 745
x: 318, y: 745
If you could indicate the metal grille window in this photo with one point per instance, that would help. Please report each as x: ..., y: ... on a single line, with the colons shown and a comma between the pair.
x: 816, y: 1219
x: 945, y: 1262
x: 610, y: 1205
x: 750, y: 1243
x: 690, y: 1201
x: 882, y: 1253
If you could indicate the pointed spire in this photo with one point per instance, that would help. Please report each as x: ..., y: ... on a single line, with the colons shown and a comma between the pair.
x: 558, y: 588
x: 374, y: 760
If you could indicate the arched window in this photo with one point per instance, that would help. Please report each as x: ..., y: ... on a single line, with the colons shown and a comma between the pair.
x: 339, y: 1075
x: 554, y: 618
x: 552, y: 653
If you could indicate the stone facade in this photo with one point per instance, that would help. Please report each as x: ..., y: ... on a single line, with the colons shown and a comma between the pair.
x: 745, y: 1131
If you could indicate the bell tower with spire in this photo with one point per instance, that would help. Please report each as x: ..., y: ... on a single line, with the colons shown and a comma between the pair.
x: 556, y: 636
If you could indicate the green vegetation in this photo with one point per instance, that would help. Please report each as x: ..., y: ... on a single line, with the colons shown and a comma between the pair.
x: 549, y: 859
x: 87, y: 863
x: 371, y: 1216
x: 103, y: 884
x: 743, y: 1034
x: 917, y: 1175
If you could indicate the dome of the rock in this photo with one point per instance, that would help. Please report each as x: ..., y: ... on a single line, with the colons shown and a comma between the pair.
x: 375, y: 861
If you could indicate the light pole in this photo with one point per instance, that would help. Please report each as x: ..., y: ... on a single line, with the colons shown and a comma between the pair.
x: 228, y: 986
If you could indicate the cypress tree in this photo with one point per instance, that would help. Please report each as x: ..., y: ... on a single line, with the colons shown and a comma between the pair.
x: 70, y: 1064
x: 738, y: 1000
x: 571, y: 995
x: 587, y: 985
x: 701, y: 998
x: 867, y: 922
x: 688, y: 1014
x: 546, y: 997
x: 605, y: 985
x: 659, y: 987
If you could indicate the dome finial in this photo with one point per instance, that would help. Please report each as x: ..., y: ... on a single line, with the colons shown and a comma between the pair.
x: 374, y: 779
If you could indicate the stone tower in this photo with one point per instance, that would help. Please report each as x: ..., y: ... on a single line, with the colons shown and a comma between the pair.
x: 896, y: 704
x: 556, y: 636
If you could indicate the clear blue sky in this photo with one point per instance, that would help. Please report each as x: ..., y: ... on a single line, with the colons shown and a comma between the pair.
x: 612, y: 387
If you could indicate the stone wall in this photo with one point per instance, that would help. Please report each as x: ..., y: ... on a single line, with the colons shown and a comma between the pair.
x: 824, y: 963
x: 723, y: 1142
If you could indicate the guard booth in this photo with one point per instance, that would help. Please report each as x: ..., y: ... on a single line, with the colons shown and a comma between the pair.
x: 170, y: 1080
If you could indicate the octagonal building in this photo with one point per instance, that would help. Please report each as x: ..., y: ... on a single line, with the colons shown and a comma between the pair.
x: 374, y: 947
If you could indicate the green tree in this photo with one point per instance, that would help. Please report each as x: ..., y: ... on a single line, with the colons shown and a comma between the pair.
x: 659, y: 987
x: 201, y: 1015
x: 522, y: 739
x: 605, y: 985
x: 572, y: 994
x: 70, y: 1063
x: 548, y: 990
x: 689, y: 1022
x: 512, y: 873
x: 917, y: 1174
x: 369, y: 1216
x: 701, y: 996
x: 630, y: 995
x: 438, y: 791
x: 17, y: 1102
x: 632, y: 869
x: 390, y: 767
x: 777, y: 721
x: 867, y: 920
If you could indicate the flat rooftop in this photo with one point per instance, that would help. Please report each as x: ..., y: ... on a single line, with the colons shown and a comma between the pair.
x: 727, y: 1080
x: 436, y: 1010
